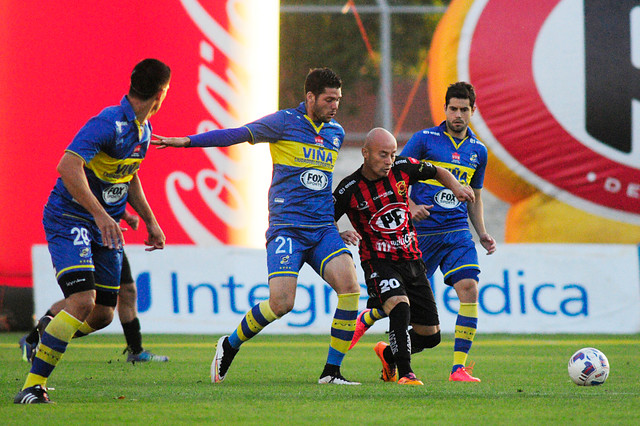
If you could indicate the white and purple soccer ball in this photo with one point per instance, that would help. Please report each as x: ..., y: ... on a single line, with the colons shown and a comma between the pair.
x: 588, y: 367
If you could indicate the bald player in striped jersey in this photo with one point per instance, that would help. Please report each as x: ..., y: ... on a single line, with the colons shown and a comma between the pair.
x: 304, y: 144
x: 442, y: 221
x: 376, y: 199
x: 98, y: 176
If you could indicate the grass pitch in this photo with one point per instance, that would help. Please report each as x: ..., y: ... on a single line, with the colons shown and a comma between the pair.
x: 273, y: 381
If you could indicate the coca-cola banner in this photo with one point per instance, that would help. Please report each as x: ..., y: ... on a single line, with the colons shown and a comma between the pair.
x: 59, y: 67
x: 559, y: 107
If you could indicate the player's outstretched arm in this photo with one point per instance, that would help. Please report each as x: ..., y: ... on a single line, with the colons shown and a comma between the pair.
x: 164, y: 142
x: 213, y: 138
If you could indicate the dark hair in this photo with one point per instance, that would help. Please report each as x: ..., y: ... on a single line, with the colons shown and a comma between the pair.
x: 319, y: 79
x: 461, y: 90
x: 148, y: 77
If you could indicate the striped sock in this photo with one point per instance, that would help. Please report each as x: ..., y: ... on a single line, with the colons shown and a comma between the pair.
x: 342, y: 327
x: 370, y: 316
x: 84, y: 329
x: 253, y: 322
x: 53, y: 344
x: 465, y: 331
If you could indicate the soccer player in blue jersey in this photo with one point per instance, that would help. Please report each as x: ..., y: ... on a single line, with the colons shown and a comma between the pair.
x: 441, y: 220
x: 98, y: 176
x: 304, y: 144
x: 127, y: 313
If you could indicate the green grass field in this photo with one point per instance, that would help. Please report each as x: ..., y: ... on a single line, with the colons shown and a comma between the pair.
x: 273, y: 381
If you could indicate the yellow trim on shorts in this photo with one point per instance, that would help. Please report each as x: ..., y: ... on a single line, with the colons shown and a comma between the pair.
x: 70, y: 268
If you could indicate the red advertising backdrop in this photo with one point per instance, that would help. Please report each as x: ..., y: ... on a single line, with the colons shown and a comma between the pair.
x: 61, y: 66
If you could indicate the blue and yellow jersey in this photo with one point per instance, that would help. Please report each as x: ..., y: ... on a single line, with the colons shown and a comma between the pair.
x: 112, y: 145
x: 304, y: 154
x: 465, y: 158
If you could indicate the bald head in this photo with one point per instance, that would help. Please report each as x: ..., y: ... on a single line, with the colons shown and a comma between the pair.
x: 379, y: 136
x: 379, y: 152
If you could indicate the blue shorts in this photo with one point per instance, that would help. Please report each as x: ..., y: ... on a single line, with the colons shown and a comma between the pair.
x: 76, y: 246
x: 454, y: 252
x: 289, y: 248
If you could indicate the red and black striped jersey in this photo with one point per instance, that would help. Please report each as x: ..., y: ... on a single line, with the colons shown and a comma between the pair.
x: 379, y: 209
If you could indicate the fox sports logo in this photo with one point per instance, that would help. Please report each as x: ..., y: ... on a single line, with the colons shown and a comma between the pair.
x: 115, y: 193
x: 446, y: 199
x: 314, y: 180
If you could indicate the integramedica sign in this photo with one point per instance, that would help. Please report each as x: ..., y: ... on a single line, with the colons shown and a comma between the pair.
x: 524, y: 288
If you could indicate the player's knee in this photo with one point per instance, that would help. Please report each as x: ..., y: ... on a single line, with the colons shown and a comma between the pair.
x: 420, y: 342
x: 281, y: 307
x: 102, y: 320
x: 467, y: 290
x: 127, y: 292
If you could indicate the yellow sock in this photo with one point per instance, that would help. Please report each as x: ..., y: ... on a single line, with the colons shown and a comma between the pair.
x: 465, y: 331
x: 53, y: 344
x: 342, y: 327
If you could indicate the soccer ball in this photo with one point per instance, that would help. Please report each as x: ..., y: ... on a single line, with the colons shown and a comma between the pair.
x: 588, y: 367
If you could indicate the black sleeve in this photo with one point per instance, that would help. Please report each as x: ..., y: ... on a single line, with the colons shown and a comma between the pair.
x: 424, y: 170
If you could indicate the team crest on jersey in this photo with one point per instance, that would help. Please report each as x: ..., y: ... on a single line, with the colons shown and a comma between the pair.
x: 402, y: 187
x: 390, y: 218
x: 336, y: 141
x: 284, y: 260
x: 85, y: 252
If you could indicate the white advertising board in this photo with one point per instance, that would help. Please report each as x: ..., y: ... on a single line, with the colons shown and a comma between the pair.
x: 524, y: 288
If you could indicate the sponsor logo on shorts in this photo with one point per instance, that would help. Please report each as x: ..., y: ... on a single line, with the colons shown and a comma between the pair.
x: 446, y: 199
x: 76, y: 281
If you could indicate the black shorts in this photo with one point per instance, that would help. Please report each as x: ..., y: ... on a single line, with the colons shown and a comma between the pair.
x: 401, y: 278
x: 125, y: 275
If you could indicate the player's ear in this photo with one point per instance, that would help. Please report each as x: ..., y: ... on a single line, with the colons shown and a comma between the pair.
x: 311, y: 98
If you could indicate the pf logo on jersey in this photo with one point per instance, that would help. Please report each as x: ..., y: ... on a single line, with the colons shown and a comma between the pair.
x: 390, y: 218
x: 574, y: 65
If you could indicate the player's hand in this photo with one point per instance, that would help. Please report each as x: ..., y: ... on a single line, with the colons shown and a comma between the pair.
x: 164, y: 142
x: 465, y: 193
x: 488, y: 243
x: 111, y: 233
x: 350, y: 237
x: 420, y: 211
x: 155, y: 239
x: 132, y: 220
